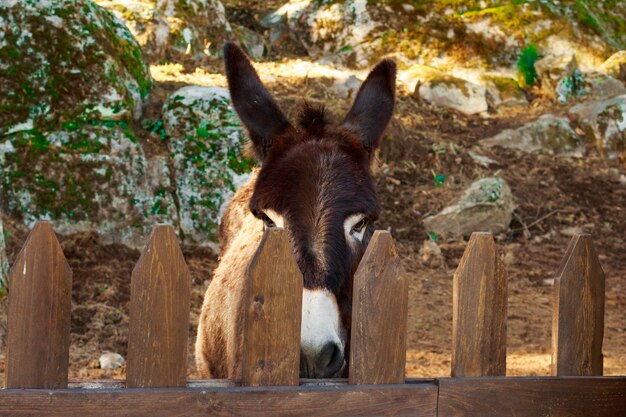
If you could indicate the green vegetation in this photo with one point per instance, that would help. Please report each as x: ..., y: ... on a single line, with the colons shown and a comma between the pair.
x: 526, y: 66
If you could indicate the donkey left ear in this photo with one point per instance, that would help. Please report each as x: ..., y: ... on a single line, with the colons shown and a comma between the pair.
x: 373, y: 106
x: 254, y: 104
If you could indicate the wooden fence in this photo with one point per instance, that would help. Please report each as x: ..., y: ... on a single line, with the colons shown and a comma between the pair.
x: 156, y: 384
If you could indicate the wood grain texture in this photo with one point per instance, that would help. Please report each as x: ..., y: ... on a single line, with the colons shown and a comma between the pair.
x: 271, y: 341
x: 159, y: 314
x: 532, y: 397
x: 40, y: 297
x: 379, y: 315
x: 415, y: 400
x: 578, y: 311
x: 479, y: 305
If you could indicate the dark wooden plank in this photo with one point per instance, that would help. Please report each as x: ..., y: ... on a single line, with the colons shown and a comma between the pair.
x: 415, y: 400
x: 219, y: 383
x: 40, y: 295
x: 532, y: 397
x: 379, y: 314
x: 479, y: 303
x: 271, y: 341
x: 159, y: 314
x: 578, y: 311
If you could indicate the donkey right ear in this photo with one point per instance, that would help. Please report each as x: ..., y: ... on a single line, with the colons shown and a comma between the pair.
x: 255, y: 106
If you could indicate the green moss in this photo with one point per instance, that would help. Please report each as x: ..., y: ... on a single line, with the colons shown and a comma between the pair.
x: 68, y: 175
x: 60, y: 72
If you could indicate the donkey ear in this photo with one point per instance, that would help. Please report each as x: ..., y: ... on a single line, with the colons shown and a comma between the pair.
x: 373, y: 106
x: 255, y: 106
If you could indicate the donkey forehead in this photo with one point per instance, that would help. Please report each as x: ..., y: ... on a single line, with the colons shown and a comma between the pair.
x: 316, y: 177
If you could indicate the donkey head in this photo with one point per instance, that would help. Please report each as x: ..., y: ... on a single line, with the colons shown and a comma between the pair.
x: 315, y: 182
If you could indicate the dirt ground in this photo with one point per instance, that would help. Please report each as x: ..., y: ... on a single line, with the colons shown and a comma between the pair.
x: 552, y: 195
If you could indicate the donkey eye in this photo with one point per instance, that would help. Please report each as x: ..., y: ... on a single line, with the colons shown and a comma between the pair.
x: 266, y: 219
x: 358, y: 228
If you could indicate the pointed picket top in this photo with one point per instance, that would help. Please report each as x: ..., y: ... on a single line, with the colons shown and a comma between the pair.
x: 380, y: 298
x: 159, y: 314
x: 479, y: 306
x: 273, y: 301
x: 578, y: 311
x: 40, y: 293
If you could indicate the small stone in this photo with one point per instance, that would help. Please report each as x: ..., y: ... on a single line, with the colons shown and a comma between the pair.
x: 111, y: 361
x: 485, y: 161
x: 431, y: 255
x: 571, y: 231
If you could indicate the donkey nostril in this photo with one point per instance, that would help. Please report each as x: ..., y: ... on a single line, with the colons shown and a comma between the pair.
x: 329, y: 361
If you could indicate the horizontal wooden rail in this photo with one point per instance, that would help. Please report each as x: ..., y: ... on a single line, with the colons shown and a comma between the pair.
x: 417, y: 400
x: 532, y: 397
x: 444, y: 397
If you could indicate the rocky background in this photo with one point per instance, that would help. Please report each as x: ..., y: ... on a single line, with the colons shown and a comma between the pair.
x: 511, y: 117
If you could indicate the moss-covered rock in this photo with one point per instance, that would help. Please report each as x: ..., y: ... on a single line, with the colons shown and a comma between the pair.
x: 66, y: 62
x: 486, y: 206
x: 87, y: 177
x: 168, y: 28
x: 206, y: 143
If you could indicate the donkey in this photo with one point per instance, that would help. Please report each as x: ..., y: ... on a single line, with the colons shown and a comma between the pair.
x: 315, y: 182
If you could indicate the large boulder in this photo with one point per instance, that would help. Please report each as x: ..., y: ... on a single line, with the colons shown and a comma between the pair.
x: 206, y: 143
x: 549, y: 134
x: 166, y: 28
x: 486, y: 206
x: 66, y: 62
x: 86, y: 177
x: 604, y: 124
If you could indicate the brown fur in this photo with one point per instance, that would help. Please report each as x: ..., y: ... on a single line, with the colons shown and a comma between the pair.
x: 219, y: 345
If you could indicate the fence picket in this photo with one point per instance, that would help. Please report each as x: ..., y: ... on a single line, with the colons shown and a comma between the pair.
x: 578, y: 311
x: 40, y: 294
x: 273, y: 302
x: 379, y: 314
x: 479, y: 305
x: 159, y: 314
